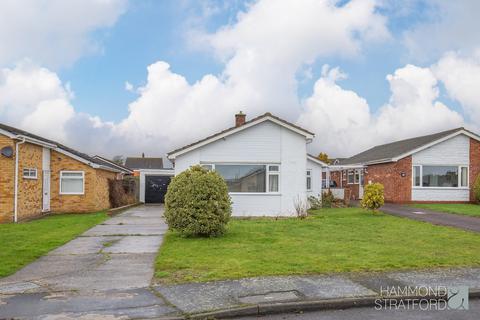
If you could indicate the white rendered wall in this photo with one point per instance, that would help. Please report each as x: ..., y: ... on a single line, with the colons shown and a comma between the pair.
x: 265, y: 143
x: 452, y: 152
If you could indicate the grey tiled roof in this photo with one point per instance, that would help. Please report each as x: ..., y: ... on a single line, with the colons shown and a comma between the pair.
x: 388, y: 151
x: 16, y: 131
x: 144, y: 163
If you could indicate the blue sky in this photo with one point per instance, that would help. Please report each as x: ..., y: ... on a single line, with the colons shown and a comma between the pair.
x: 226, y: 55
x: 155, y: 30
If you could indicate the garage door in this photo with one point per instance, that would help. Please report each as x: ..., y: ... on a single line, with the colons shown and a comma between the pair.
x: 156, y: 188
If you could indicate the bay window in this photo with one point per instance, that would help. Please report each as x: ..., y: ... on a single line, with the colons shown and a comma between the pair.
x: 249, y: 178
x: 429, y: 176
x: 72, y: 182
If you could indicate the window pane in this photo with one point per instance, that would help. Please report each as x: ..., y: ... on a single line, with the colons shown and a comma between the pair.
x: 416, y: 176
x: 273, y: 183
x: 243, y: 178
x: 464, y: 177
x: 440, y: 176
x: 350, y: 177
x: 72, y: 185
x: 309, y: 183
x: 273, y: 168
x: 207, y: 166
x: 72, y: 174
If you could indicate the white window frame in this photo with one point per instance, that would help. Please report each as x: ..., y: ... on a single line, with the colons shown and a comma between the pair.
x: 83, y: 182
x: 309, y: 177
x: 356, y: 176
x: 29, y: 175
x: 459, y: 182
x: 267, y: 178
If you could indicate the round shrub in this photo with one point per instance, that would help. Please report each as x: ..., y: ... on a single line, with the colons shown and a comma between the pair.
x: 373, y: 196
x: 476, y: 189
x: 197, y: 203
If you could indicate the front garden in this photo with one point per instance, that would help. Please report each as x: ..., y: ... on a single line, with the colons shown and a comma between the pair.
x: 329, y: 240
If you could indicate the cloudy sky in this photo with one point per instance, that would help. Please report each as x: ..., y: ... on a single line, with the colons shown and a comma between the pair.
x: 114, y: 77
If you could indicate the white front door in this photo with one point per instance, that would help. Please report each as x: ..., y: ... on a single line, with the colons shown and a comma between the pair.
x: 46, y: 180
x: 46, y: 191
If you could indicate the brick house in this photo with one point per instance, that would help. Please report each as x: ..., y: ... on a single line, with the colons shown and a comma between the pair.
x: 38, y: 176
x: 440, y: 167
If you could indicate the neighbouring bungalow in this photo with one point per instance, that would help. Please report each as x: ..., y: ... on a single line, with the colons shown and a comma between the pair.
x: 154, y: 178
x: 39, y: 176
x: 440, y: 167
x: 264, y: 162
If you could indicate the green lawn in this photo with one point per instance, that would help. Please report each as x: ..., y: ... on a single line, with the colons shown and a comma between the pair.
x: 472, y: 210
x: 22, y: 243
x: 330, y: 240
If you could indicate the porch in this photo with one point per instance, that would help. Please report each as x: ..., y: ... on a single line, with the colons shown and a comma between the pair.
x: 344, y: 181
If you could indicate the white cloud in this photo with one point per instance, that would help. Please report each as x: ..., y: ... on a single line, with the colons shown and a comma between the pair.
x: 449, y: 25
x: 461, y: 77
x: 53, y: 33
x: 129, y: 86
x: 345, y: 125
x: 35, y: 98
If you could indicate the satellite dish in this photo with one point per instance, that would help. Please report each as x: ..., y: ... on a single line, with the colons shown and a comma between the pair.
x: 7, y: 152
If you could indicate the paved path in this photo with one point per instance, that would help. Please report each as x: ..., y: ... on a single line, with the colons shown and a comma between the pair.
x: 106, y: 271
x: 260, y: 293
x: 434, y: 217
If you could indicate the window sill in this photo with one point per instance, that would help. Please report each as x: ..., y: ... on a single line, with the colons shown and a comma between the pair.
x: 440, y: 188
x: 254, y: 193
x: 71, y: 194
x: 30, y: 178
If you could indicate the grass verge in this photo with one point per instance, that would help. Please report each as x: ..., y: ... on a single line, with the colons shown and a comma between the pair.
x: 330, y: 240
x: 465, y: 209
x: 22, y: 243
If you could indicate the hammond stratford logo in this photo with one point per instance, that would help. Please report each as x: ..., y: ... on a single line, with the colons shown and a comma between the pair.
x: 423, y: 298
x: 457, y: 298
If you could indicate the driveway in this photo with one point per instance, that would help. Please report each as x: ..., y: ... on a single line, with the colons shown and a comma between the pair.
x: 434, y: 217
x: 104, y: 272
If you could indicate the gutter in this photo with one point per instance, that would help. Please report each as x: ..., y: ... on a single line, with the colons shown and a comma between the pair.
x: 15, y: 215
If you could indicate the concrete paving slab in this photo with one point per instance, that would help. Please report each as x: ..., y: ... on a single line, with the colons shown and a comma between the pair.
x: 271, y: 297
x: 84, y: 245
x: 51, y: 266
x: 120, y: 220
x: 469, y: 277
x: 115, y: 303
x: 17, y: 287
x: 135, y: 244
x: 126, y: 229
x: 202, y: 297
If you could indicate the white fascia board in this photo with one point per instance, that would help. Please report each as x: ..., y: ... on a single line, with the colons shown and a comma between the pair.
x: 346, y: 167
x: 36, y: 141
x: 428, y: 145
x: 113, y: 164
x: 308, y: 136
x: 320, y: 162
x: 107, y: 168
x: 168, y: 172
x: 7, y: 133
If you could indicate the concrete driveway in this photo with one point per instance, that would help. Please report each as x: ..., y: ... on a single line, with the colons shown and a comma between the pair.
x: 105, y: 272
x: 434, y: 217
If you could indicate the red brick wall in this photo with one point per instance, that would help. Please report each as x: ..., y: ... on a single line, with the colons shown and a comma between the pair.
x: 397, y: 188
x: 474, y: 164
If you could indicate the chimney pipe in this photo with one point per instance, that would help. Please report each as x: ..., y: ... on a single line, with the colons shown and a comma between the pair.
x: 239, y: 119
